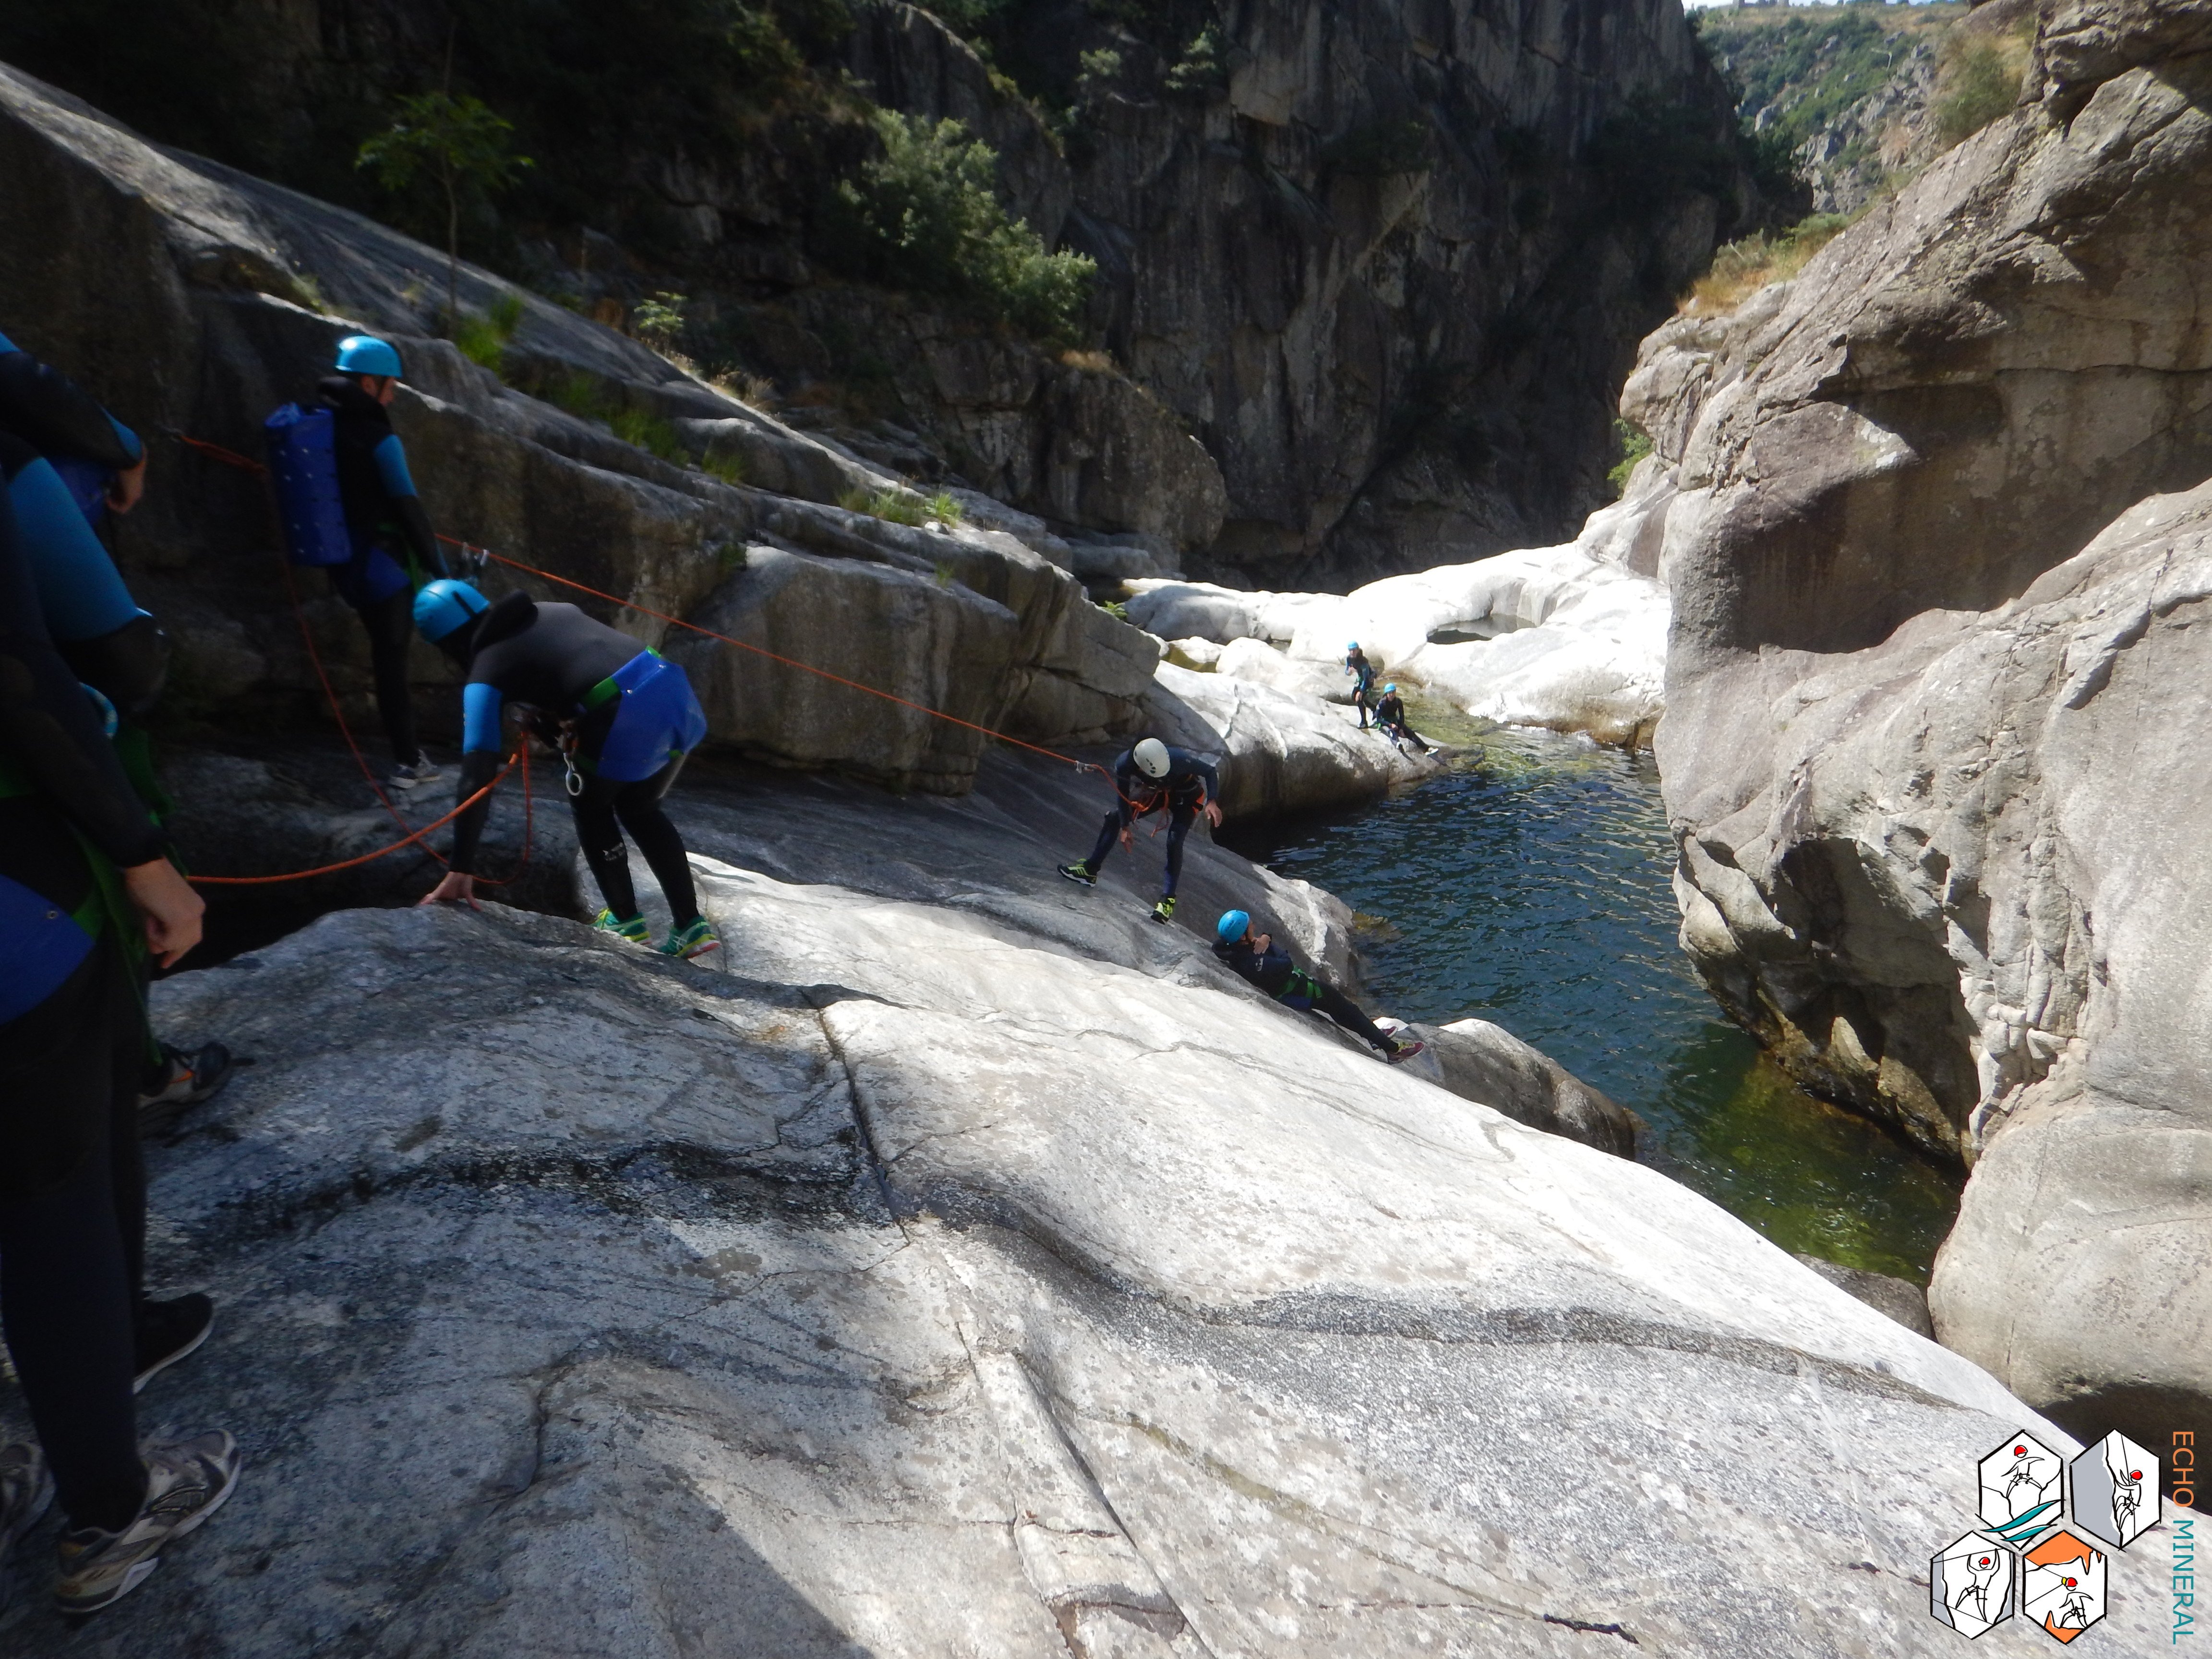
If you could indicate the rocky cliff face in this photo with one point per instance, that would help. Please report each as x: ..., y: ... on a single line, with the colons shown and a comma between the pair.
x: 1386, y: 264
x: 1928, y: 657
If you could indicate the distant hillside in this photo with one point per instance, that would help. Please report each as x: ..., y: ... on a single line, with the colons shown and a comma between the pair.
x: 1866, y: 93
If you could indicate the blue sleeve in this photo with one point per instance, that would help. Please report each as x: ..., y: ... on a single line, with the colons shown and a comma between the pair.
x: 129, y: 440
x: 79, y: 587
x: 480, y: 711
x: 391, y: 467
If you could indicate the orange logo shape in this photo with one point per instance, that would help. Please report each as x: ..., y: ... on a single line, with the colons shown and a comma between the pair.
x: 2063, y: 1585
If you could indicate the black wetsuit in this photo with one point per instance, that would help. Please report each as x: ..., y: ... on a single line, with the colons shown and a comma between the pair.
x: 1190, y: 783
x: 1391, y: 716
x: 552, y: 658
x: 1274, y: 972
x: 72, y: 1193
x: 395, y: 550
x: 1362, y: 683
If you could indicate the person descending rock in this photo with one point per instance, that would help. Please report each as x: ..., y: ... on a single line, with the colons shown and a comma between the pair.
x: 394, y: 549
x: 1268, y: 966
x: 1151, y: 777
x: 625, y: 718
x: 85, y: 885
x: 1363, y: 680
x: 1390, y: 719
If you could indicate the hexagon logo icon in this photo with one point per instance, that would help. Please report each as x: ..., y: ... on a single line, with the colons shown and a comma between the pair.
x: 2063, y: 1585
x: 1973, y: 1585
x: 2021, y: 1484
x: 2112, y: 1491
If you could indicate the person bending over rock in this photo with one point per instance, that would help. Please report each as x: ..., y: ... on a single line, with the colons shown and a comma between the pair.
x: 1151, y: 777
x: 1363, y: 680
x: 1390, y: 716
x: 394, y: 549
x: 86, y: 886
x: 1268, y: 966
x: 624, y: 717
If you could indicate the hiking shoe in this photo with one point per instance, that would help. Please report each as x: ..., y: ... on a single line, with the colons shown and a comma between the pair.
x: 1082, y: 872
x: 693, y: 942
x: 189, y: 1077
x: 634, y: 930
x: 167, y: 1331
x: 186, y: 1481
x: 1402, y: 1051
x: 26, y: 1489
x: 423, y: 771
x: 1165, y: 910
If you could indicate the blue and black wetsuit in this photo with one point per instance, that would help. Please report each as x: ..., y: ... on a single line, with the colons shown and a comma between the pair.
x: 1362, y: 683
x: 73, y: 1047
x: 1274, y: 972
x: 1390, y: 718
x: 634, y: 718
x: 58, y: 451
x: 395, y: 549
x: 1190, y: 783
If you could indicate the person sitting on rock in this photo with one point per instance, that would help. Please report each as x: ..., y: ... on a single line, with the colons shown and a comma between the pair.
x: 625, y: 718
x: 1151, y: 777
x: 394, y: 549
x: 86, y: 885
x: 1268, y: 966
x: 1390, y: 719
x: 1363, y: 679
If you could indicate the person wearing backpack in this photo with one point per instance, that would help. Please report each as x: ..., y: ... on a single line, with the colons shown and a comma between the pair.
x: 393, y: 549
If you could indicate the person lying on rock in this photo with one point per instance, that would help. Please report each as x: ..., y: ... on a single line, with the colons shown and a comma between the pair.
x: 1363, y: 679
x: 85, y: 887
x: 1390, y: 717
x: 394, y: 549
x: 1268, y: 966
x: 624, y: 716
x: 1151, y: 777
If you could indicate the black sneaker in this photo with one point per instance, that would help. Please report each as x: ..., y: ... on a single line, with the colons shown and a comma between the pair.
x: 1082, y: 872
x: 167, y: 1331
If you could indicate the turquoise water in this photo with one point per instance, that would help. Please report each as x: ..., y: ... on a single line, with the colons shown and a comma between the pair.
x: 1529, y: 886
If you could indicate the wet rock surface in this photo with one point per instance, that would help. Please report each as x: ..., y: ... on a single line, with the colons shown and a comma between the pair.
x: 963, y: 1263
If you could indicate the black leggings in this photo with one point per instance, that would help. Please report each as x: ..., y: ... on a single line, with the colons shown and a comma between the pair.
x: 1179, y: 821
x: 391, y: 625
x: 638, y: 807
x: 71, y: 1257
x: 1326, y: 999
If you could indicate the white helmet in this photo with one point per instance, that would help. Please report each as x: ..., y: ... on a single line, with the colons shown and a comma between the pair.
x: 1151, y: 758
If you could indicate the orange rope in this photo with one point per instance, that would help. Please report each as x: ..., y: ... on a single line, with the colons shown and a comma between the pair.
x: 366, y: 858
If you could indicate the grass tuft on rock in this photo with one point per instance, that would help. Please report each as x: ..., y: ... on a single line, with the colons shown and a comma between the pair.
x: 1741, y: 268
x: 894, y: 506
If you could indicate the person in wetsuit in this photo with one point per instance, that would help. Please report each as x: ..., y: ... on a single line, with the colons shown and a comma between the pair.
x: 624, y: 716
x: 85, y: 885
x: 1363, y: 680
x: 1390, y: 719
x: 1151, y: 777
x: 394, y: 549
x: 1259, y: 959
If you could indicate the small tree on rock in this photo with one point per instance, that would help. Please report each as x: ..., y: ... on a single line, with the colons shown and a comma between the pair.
x: 458, y: 145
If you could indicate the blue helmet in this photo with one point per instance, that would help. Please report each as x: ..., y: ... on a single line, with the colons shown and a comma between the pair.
x: 364, y: 354
x: 445, y: 605
x: 1390, y: 689
x: 1351, y: 645
x: 1231, y: 926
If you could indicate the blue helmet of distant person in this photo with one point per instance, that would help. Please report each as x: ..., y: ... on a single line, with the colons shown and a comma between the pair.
x: 444, y: 606
x: 1231, y: 926
x: 1391, y: 689
x: 364, y: 354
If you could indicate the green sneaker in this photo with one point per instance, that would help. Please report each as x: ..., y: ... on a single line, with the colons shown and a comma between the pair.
x: 634, y: 930
x: 1078, y: 873
x: 1165, y: 910
x: 693, y: 942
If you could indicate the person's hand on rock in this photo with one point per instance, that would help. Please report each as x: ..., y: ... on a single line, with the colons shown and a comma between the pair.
x: 123, y: 492
x: 1214, y: 815
x: 168, y: 907
x: 454, y: 886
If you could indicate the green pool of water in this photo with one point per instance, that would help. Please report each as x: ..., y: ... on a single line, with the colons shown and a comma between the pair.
x: 1528, y: 886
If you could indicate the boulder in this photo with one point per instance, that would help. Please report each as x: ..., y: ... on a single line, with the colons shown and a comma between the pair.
x: 1263, y: 664
x: 968, y: 1263
x: 1932, y: 688
x: 1477, y: 1061
x: 1900, y: 1298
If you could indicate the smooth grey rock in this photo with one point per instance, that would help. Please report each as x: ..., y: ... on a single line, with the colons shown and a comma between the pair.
x: 1478, y: 1061
x: 1900, y: 1298
x: 966, y: 1264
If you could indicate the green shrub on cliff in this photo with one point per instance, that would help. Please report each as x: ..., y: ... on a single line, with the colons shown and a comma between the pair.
x: 1977, y: 80
x: 925, y: 216
x: 1631, y: 445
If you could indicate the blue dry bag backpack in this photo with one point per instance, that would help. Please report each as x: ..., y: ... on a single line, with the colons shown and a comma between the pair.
x: 303, y: 463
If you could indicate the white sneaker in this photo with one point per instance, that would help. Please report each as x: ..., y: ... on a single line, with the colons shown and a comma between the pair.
x: 411, y: 777
x: 186, y: 1481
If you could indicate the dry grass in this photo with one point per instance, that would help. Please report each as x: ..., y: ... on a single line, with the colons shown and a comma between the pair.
x: 1098, y: 363
x: 1741, y: 268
